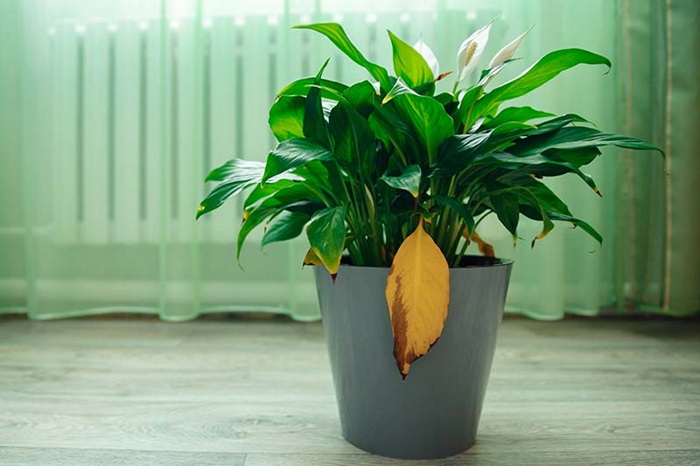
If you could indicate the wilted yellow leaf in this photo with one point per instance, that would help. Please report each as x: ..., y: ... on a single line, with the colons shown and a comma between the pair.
x: 418, y: 293
x: 484, y: 248
x: 312, y: 259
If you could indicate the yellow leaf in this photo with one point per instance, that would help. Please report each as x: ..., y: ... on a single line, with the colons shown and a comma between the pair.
x: 418, y: 293
x: 312, y: 259
x: 484, y: 248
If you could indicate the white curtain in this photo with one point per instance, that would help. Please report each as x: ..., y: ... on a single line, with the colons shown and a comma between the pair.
x: 113, y: 112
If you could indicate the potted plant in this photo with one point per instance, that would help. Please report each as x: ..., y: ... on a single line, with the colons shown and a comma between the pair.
x: 389, y: 180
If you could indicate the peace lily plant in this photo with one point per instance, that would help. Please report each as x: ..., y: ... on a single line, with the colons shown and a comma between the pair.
x: 395, y: 174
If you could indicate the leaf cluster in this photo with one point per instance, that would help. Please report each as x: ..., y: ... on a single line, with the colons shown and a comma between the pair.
x: 357, y: 166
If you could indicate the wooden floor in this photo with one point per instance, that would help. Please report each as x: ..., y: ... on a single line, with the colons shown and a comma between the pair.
x: 259, y: 392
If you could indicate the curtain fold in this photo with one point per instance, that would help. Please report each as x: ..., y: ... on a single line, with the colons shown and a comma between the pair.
x: 112, y: 113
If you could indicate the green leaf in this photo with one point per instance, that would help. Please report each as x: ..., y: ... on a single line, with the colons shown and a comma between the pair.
x: 287, y: 117
x: 457, y: 152
x: 354, y: 140
x: 235, y: 175
x: 238, y: 169
x: 287, y: 226
x: 507, y: 208
x: 293, y: 153
x: 534, y: 214
x: 409, y: 65
x: 301, y: 87
x: 408, y: 180
x: 298, y: 197
x: 326, y: 233
x: 425, y: 116
x: 538, y: 165
x: 578, y: 137
x: 515, y: 114
x: 459, y: 208
x: 579, y: 223
x: 336, y: 34
x: 315, y: 125
x: 541, y: 72
x: 362, y: 97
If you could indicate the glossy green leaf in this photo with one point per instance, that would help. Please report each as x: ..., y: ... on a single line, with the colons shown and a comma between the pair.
x: 409, y: 180
x: 326, y: 233
x: 315, y: 125
x: 235, y: 175
x: 293, y: 153
x: 538, y: 165
x: 362, y: 97
x: 336, y: 34
x: 457, y: 152
x: 507, y: 209
x: 354, y: 140
x: 578, y: 138
x: 237, y: 169
x: 409, y: 65
x: 287, y: 117
x: 515, y: 114
x: 538, y: 74
x: 287, y: 226
x: 301, y: 87
x: 426, y: 117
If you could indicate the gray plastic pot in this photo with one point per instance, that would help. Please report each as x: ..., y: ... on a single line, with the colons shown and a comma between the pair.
x: 434, y: 413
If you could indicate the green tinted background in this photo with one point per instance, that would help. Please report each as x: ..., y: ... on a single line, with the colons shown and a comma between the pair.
x: 111, y: 114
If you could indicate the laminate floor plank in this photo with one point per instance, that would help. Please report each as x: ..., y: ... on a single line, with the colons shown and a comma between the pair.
x: 259, y: 392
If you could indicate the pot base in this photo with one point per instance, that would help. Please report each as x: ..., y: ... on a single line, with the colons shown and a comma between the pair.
x: 434, y: 412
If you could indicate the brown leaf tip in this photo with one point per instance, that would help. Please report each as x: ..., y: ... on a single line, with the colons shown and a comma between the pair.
x: 334, y: 276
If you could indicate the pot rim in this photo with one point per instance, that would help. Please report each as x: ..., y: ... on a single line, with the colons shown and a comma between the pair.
x: 500, y: 263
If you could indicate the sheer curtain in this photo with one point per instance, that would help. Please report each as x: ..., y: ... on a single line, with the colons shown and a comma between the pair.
x: 113, y: 112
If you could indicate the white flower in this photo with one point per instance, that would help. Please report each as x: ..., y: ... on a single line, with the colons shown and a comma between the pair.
x: 506, y: 53
x: 470, y: 52
x: 430, y: 58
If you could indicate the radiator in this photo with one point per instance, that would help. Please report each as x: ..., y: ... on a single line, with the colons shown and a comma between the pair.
x: 131, y: 145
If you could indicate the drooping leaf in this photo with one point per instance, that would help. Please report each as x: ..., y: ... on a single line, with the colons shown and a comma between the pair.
x: 418, y: 294
x: 544, y: 70
x: 507, y: 209
x: 237, y: 169
x: 286, y: 226
x: 326, y: 233
x: 301, y: 87
x: 297, y: 197
x: 485, y: 248
x: 336, y: 34
x: 538, y: 165
x: 287, y: 117
x: 311, y: 258
x: 408, y: 180
x: 592, y: 232
x: 235, y: 175
x: 512, y: 114
x: 409, y: 65
x: 578, y: 137
x: 314, y: 124
x: 293, y: 153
